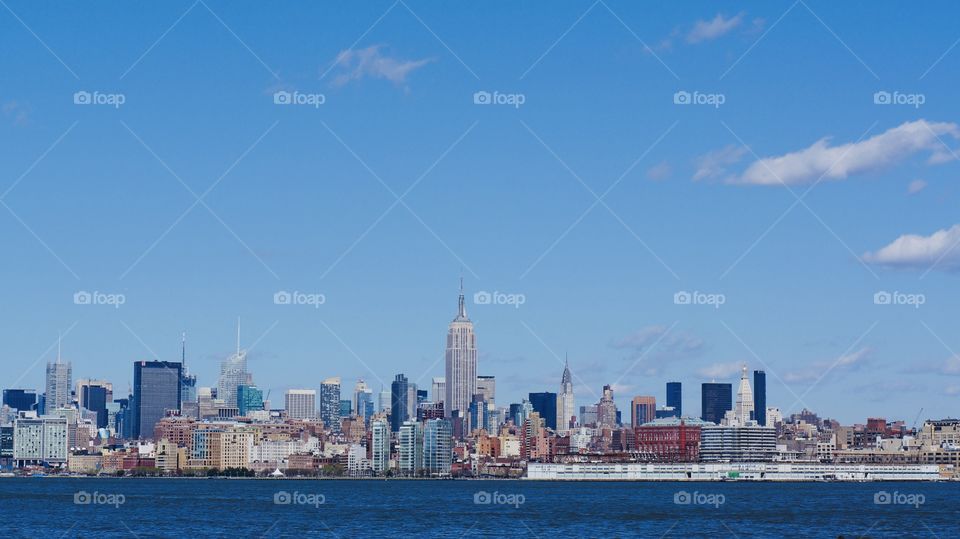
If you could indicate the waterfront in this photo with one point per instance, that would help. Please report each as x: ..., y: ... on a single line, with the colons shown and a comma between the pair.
x: 130, y: 507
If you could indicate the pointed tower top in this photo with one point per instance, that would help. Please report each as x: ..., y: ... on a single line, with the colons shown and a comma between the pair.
x: 59, y: 337
x: 461, y: 305
x: 183, y: 349
x: 238, y: 336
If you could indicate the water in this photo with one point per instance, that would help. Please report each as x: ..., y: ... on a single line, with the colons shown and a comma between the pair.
x: 45, y: 507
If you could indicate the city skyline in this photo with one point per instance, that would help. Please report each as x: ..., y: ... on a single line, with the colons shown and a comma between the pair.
x: 581, y: 212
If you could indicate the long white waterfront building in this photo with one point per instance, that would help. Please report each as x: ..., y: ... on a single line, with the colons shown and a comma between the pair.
x: 747, y: 471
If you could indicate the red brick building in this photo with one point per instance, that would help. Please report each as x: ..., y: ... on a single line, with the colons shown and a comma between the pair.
x: 669, y: 440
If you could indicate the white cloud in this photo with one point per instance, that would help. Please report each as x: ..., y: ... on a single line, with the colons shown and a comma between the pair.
x: 714, y: 164
x: 675, y: 344
x: 916, y: 186
x: 660, y: 171
x: 817, y: 370
x: 837, y: 162
x: 371, y: 62
x: 915, y: 251
x: 720, y: 370
x: 714, y: 28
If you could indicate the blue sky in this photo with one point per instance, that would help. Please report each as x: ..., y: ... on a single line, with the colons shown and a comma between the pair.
x: 701, y: 198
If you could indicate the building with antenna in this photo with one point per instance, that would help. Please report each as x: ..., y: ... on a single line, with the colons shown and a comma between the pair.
x: 566, y: 409
x: 233, y: 373
x: 460, y: 362
x: 59, y: 381
x: 188, y: 384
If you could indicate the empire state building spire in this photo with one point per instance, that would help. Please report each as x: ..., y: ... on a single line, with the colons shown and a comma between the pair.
x: 461, y: 306
x: 460, y: 362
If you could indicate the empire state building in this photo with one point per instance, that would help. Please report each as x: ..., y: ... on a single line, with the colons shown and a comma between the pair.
x: 461, y: 362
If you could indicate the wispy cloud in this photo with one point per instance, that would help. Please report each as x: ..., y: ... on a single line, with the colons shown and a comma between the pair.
x: 660, y: 171
x: 718, y: 26
x: 838, y: 162
x: 916, y: 186
x: 719, y: 371
x: 677, y: 344
x: 16, y: 111
x: 356, y: 64
x: 816, y: 370
x: 920, y: 252
x: 715, y: 164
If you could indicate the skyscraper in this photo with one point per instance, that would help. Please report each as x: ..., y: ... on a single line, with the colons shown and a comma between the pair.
x: 715, y: 400
x: 330, y: 403
x: 565, y: 403
x: 361, y: 394
x: 156, y: 390
x: 439, y: 389
x: 487, y: 386
x: 744, y: 408
x: 249, y: 399
x: 20, y: 399
x: 188, y: 385
x: 545, y: 404
x: 380, y: 442
x: 59, y: 381
x: 233, y: 373
x: 410, y: 448
x: 399, y: 400
x: 301, y: 403
x: 607, y: 409
x: 642, y: 410
x: 675, y: 397
x: 95, y: 398
x: 461, y: 362
x: 760, y: 397
x: 437, y: 447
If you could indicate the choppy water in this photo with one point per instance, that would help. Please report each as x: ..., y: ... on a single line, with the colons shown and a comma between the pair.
x: 54, y: 507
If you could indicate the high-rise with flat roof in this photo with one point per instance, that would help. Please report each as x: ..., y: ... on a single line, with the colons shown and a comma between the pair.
x: 330, y: 403
x: 760, y: 397
x: 410, y: 448
x: 20, y: 399
x: 715, y: 400
x: 156, y: 391
x: 380, y: 446
x: 643, y: 409
x: 301, y: 403
x: 399, y: 402
x: 437, y: 447
x: 675, y: 397
x: 545, y: 404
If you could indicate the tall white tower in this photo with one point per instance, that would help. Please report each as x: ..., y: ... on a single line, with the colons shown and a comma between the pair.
x: 744, y: 398
x: 233, y: 373
x: 461, y: 362
x: 565, y: 406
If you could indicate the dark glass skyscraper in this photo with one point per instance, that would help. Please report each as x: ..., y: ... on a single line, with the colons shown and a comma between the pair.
x: 399, y: 397
x: 545, y: 404
x: 760, y: 397
x: 715, y: 400
x: 156, y: 389
x: 20, y: 399
x: 675, y: 397
x: 95, y: 400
